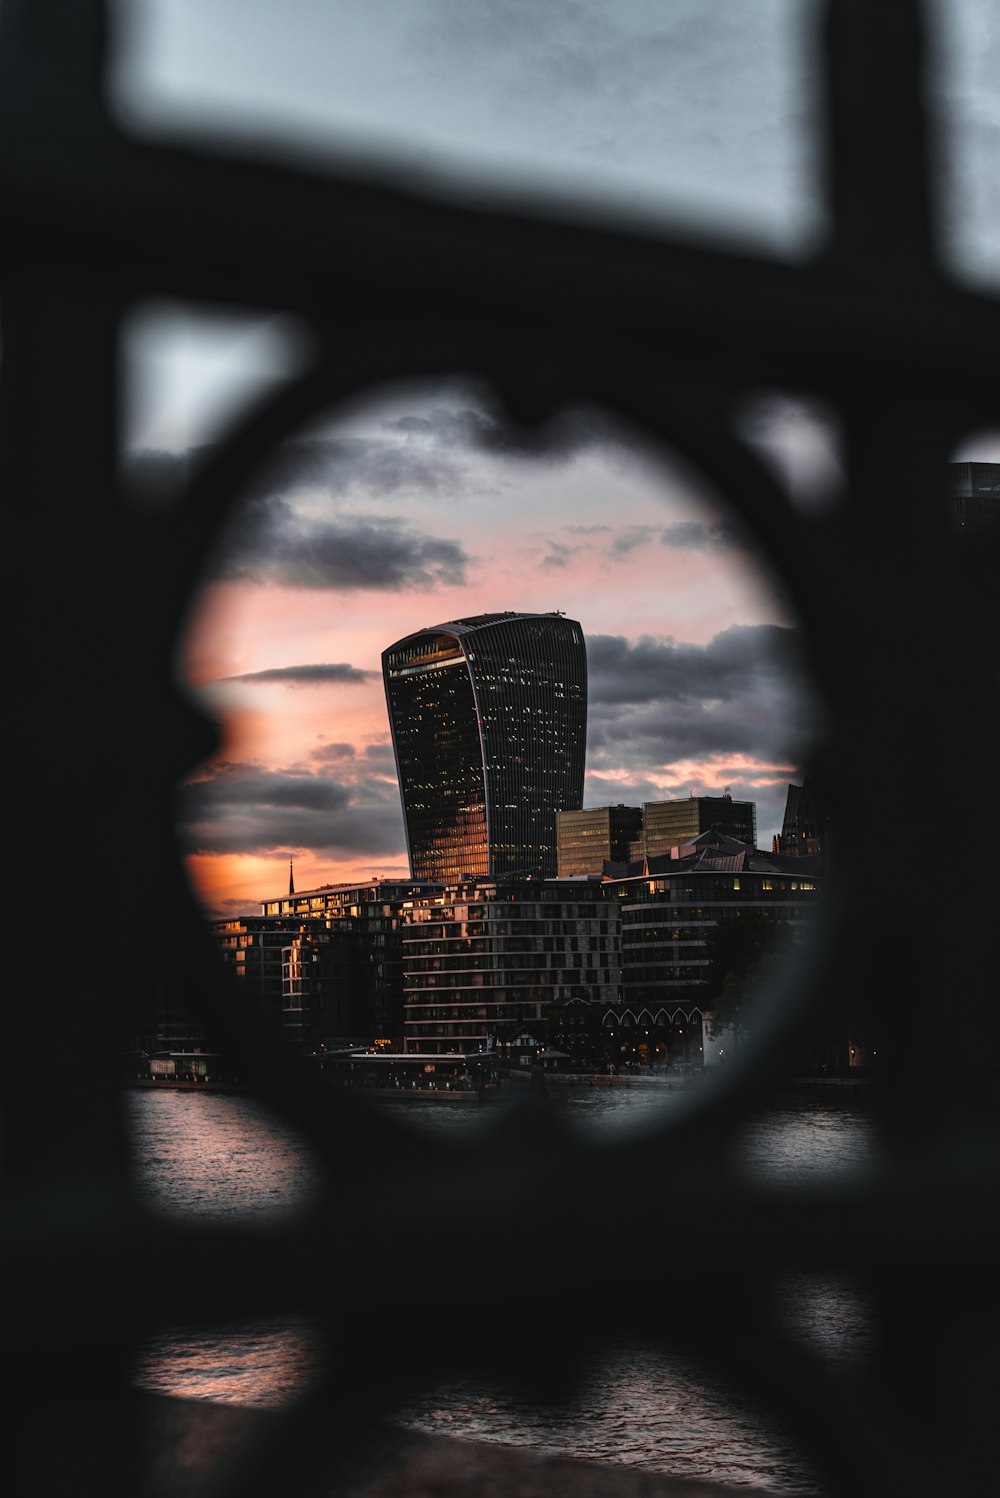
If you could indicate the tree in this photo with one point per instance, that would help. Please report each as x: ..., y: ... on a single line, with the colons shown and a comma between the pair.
x: 739, y: 949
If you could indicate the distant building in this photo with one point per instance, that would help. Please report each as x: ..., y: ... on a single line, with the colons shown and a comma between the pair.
x: 169, y: 1037
x: 336, y: 901
x: 491, y: 964
x: 668, y: 907
x: 672, y: 909
x: 489, y: 724
x: 666, y: 824
x: 585, y: 840
x: 251, y: 947
x: 804, y: 830
x: 342, y: 983
x: 341, y: 979
x: 620, y: 971
x: 975, y: 498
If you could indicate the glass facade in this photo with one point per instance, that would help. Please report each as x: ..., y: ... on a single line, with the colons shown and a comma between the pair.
x: 586, y: 839
x: 252, y: 949
x: 341, y: 975
x: 489, y: 723
x: 481, y: 963
x: 669, y: 823
x: 666, y: 923
x: 804, y: 829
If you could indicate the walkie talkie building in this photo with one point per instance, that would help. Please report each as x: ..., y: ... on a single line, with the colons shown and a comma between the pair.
x: 489, y: 727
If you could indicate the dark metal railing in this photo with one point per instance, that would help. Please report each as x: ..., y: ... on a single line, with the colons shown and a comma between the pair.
x: 902, y: 630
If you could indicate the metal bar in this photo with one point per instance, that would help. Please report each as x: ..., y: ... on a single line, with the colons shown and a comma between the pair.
x: 551, y: 310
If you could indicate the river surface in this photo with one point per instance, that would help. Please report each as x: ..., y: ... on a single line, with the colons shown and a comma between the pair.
x: 225, y: 1156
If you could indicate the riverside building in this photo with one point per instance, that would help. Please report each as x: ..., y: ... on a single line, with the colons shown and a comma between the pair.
x: 489, y: 723
x: 489, y: 964
x: 680, y: 926
x: 251, y: 948
x: 341, y: 980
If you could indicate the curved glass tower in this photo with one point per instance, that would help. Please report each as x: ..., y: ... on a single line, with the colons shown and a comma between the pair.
x: 489, y: 728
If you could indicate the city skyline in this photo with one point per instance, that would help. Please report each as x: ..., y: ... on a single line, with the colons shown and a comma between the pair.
x: 369, y: 528
x: 695, y: 679
x: 379, y: 524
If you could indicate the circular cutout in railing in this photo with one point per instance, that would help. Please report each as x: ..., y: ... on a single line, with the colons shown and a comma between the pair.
x: 619, y: 981
x: 581, y: 586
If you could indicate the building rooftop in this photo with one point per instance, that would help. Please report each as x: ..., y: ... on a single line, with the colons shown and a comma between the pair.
x: 713, y: 852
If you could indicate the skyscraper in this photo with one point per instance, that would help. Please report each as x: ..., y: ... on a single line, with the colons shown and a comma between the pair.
x: 489, y: 726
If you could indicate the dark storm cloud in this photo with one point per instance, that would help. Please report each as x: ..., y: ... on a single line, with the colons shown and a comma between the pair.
x: 276, y: 538
x: 630, y: 540
x: 243, y: 808
x: 236, y: 785
x: 375, y: 759
x: 673, y: 670
x: 349, y: 465
x: 307, y: 676
x: 481, y: 431
x: 332, y: 754
x: 681, y: 535
x: 272, y: 540
x: 381, y: 759
x: 746, y: 692
x: 343, y: 466
x: 559, y: 556
x: 423, y: 453
x: 693, y: 535
x: 277, y: 544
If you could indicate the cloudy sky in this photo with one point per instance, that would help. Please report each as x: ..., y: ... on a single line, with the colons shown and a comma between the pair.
x: 416, y: 506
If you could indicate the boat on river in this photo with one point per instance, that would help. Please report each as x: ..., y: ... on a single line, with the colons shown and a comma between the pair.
x: 451, y: 1077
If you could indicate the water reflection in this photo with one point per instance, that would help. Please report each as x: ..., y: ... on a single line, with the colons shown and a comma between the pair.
x: 808, y: 1139
x: 216, y: 1155
x: 222, y: 1155
x: 799, y: 1139
x: 633, y: 1407
x: 262, y: 1363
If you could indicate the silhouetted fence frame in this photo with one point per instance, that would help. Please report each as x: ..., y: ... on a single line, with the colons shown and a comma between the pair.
x: 671, y: 337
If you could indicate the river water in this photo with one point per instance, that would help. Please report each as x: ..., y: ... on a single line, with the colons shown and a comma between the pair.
x: 225, y: 1156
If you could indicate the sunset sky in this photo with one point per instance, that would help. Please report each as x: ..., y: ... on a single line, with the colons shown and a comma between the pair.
x: 415, y: 506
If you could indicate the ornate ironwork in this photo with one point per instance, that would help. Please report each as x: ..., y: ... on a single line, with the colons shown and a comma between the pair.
x: 672, y: 337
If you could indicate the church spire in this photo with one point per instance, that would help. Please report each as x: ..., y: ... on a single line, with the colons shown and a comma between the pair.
x: 291, y: 878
